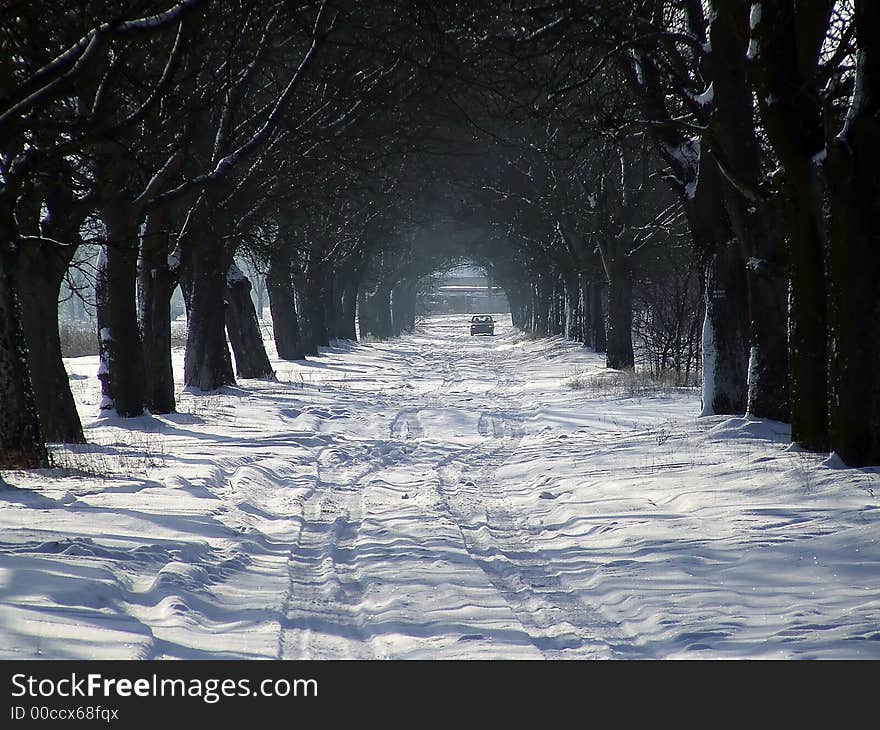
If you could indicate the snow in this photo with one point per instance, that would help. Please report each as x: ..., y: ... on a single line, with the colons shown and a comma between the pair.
x: 755, y: 15
x: 753, y: 379
x: 153, y: 22
x: 708, y: 389
x: 437, y: 496
x: 857, y: 102
x: 753, y: 49
x: 707, y: 97
x: 686, y: 157
x: 754, y: 21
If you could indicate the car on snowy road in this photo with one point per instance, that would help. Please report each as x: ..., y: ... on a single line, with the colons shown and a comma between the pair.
x: 482, y: 325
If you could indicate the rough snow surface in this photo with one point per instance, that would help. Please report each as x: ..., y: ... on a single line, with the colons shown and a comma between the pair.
x: 437, y: 496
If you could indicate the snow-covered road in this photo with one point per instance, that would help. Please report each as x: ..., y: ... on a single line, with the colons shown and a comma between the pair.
x: 438, y: 496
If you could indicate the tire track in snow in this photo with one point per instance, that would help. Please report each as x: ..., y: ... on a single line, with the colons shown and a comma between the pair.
x: 557, y: 622
x: 322, y: 613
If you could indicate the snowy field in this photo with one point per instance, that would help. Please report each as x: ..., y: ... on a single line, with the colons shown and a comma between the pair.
x: 437, y: 496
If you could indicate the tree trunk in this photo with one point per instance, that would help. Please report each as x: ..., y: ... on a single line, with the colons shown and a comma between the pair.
x: 39, y: 271
x: 557, y: 306
x: 245, y: 335
x: 375, y: 312
x: 517, y: 308
x: 207, y: 364
x: 21, y: 439
x: 753, y: 219
x: 565, y: 307
x: 808, y: 358
x: 854, y: 258
x: 724, y: 344
x: 572, y: 321
x: 156, y: 284
x: 350, y: 286
x: 767, y: 289
x: 121, y: 371
x: 381, y: 302
x: 620, y: 289
x: 541, y: 295
x: 364, y: 314
x: 282, y: 305
x: 310, y: 301
x: 586, y: 315
x: 332, y: 304
x: 787, y: 41
x: 403, y: 308
x: 597, y: 318
x: 725, y: 325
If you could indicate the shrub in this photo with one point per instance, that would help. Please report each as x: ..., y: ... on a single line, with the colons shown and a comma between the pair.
x: 630, y: 382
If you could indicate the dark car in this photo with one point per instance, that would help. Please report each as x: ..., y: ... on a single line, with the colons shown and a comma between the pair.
x: 482, y: 325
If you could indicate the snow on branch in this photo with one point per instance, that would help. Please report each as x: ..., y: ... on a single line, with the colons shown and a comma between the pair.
x: 229, y: 162
x: 157, y: 21
x: 167, y: 72
x: 75, y: 59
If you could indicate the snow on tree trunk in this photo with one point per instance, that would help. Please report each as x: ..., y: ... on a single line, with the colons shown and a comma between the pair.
x: 558, y: 318
x: 350, y: 287
x: 709, y: 366
x: 585, y: 313
x: 725, y: 359
x: 726, y: 304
